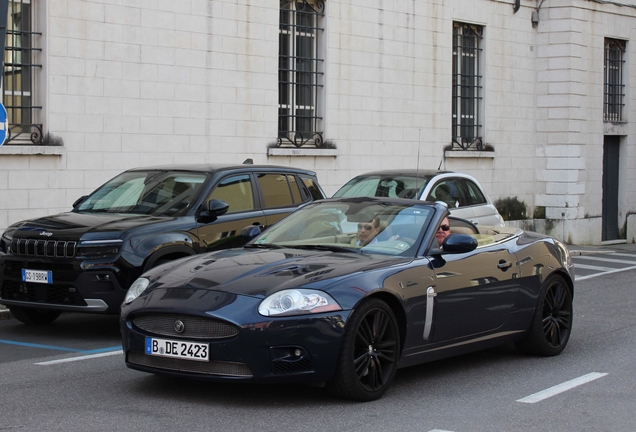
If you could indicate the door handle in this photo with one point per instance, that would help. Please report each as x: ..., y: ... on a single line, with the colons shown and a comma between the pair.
x: 504, y: 265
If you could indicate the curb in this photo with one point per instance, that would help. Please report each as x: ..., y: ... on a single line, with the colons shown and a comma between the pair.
x: 577, y: 252
x: 5, y: 314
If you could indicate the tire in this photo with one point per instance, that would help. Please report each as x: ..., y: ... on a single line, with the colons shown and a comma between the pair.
x: 369, y: 355
x: 552, y: 321
x: 34, y: 316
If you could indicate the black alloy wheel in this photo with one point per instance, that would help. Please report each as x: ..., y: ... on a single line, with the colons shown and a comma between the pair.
x: 552, y: 322
x: 369, y: 354
x: 34, y: 316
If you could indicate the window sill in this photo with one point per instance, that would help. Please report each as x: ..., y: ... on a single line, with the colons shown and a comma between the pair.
x: 286, y: 151
x: 30, y: 150
x: 469, y: 154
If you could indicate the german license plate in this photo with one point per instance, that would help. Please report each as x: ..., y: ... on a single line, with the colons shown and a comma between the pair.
x: 177, y: 349
x: 37, y: 276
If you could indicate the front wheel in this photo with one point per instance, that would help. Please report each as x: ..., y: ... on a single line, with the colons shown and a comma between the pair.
x: 552, y: 321
x: 369, y: 354
x: 34, y: 316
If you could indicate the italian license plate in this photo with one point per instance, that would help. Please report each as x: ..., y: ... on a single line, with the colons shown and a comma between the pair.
x: 177, y: 349
x: 37, y: 276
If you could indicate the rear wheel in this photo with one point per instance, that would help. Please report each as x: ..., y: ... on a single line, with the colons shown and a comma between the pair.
x: 34, y: 316
x: 552, y: 321
x: 369, y: 354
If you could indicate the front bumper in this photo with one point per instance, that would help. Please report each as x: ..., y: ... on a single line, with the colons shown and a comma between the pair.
x: 74, y: 288
x: 257, y: 349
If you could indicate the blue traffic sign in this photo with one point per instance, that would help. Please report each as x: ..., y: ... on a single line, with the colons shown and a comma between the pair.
x: 4, y: 125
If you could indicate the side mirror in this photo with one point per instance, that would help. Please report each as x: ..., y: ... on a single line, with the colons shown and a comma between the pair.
x: 459, y: 243
x: 251, y: 231
x: 80, y: 200
x: 216, y: 208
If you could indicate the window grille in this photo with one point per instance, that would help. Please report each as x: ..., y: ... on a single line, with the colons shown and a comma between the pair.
x: 614, y: 88
x: 18, y: 79
x: 299, y: 72
x: 466, y: 86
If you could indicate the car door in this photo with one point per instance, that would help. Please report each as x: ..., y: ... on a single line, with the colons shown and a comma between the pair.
x: 474, y: 292
x: 484, y: 212
x: 280, y: 195
x: 239, y: 192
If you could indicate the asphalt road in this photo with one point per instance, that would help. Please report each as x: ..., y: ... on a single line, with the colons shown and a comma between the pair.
x: 495, y: 390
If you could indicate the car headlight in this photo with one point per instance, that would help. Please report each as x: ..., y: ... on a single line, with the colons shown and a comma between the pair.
x: 297, y: 302
x: 136, y: 289
x: 96, y: 249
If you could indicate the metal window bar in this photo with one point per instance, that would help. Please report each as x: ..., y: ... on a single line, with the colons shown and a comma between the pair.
x: 614, y: 89
x: 299, y: 72
x: 18, y: 79
x: 466, y: 129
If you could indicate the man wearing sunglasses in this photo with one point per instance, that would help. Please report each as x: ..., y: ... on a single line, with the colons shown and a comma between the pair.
x: 368, y: 231
x: 442, y: 232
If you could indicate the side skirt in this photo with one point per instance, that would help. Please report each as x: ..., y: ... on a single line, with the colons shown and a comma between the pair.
x: 427, y: 354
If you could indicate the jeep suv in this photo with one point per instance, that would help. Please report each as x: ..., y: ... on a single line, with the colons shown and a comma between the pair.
x: 85, y: 260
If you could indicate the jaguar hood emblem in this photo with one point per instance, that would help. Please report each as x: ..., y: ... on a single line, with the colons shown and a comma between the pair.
x: 179, y: 326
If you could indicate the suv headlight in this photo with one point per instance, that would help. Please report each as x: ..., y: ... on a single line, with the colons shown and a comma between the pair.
x: 5, y: 242
x: 135, y: 290
x: 95, y: 249
x: 297, y: 302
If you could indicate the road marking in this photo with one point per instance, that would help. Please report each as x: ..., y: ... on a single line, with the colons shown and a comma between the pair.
x: 568, y: 385
x: 604, y: 273
x: 591, y: 267
x: 624, y: 255
x: 609, y: 260
x: 58, y: 348
x: 86, y: 357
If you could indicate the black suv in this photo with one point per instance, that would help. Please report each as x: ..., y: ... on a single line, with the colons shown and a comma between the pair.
x: 85, y: 260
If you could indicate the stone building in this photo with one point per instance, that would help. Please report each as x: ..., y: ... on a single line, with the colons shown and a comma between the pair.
x: 532, y: 97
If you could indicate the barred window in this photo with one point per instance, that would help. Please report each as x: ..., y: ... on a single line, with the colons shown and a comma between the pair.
x: 299, y: 72
x: 466, y: 131
x: 614, y: 88
x: 20, y: 68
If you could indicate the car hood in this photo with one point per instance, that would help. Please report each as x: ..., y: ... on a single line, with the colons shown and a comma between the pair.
x: 72, y: 226
x: 261, y: 273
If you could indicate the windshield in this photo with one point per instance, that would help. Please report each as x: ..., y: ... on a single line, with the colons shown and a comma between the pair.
x: 354, y: 225
x: 383, y: 186
x: 146, y: 193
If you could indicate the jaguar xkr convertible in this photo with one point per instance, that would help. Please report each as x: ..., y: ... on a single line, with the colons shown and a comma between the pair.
x: 347, y: 291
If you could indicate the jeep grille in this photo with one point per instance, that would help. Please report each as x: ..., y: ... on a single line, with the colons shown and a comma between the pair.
x: 43, y: 248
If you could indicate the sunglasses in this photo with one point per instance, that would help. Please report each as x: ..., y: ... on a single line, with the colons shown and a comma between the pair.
x: 366, y: 227
x: 445, y: 227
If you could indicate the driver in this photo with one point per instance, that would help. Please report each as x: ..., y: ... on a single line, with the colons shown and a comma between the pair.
x: 443, y: 231
x: 367, y: 232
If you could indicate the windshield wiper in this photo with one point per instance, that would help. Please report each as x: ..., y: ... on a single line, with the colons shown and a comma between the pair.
x: 262, y: 246
x: 324, y: 247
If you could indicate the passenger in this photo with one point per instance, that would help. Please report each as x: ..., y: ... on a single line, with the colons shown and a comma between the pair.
x: 442, y: 232
x: 367, y: 232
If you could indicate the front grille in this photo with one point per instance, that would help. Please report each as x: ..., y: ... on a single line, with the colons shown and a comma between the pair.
x: 43, y: 248
x: 208, y: 368
x: 41, y: 293
x: 283, y: 366
x: 193, y: 327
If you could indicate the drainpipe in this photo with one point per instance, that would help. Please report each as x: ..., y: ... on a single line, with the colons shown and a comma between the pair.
x: 4, y: 14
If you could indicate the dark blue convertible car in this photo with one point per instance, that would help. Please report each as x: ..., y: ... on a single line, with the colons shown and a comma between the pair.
x: 346, y: 292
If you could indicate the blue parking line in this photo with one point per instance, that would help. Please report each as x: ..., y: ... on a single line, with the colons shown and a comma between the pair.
x: 58, y: 348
